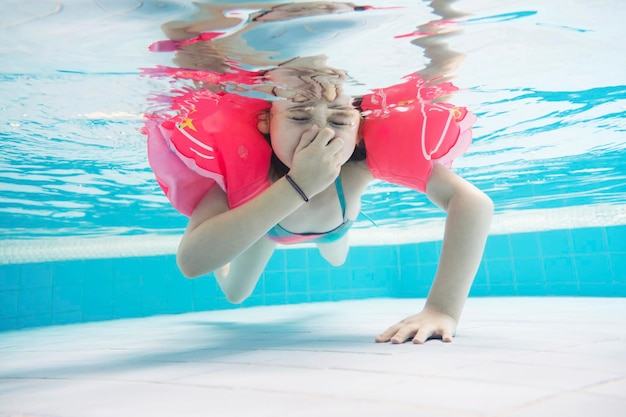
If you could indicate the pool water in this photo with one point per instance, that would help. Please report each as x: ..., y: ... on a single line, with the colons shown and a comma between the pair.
x: 95, y: 318
x: 544, y: 81
x: 86, y: 233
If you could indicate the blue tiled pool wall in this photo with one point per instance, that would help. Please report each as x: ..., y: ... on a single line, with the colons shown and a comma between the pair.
x: 580, y: 262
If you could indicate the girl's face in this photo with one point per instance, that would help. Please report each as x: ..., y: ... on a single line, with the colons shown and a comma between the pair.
x: 311, y: 94
x: 289, y: 120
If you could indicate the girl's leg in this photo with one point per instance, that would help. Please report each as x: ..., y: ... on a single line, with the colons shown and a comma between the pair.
x: 238, y: 278
x: 336, y: 252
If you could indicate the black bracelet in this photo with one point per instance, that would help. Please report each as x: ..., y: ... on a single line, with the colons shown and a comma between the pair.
x: 297, y: 188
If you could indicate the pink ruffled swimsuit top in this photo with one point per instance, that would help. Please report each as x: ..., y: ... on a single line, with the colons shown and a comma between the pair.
x: 214, y: 140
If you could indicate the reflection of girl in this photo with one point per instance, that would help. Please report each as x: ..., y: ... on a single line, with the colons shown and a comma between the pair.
x: 294, y: 10
x: 213, y: 16
x: 325, y: 155
x: 257, y: 43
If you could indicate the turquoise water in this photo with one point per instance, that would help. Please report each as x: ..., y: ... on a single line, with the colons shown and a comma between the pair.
x: 544, y: 81
x: 85, y: 231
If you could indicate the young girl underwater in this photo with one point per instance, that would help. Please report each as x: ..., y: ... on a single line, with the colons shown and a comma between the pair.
x: 305, y: 184
x: 291, y: 167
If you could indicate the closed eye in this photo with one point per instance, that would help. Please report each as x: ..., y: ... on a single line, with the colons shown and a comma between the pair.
x: 341, y: 122
x: 299, y: 118
x: 342, y: 118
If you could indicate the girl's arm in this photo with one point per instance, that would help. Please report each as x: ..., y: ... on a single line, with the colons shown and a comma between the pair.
x: 217, y: 234
x: 469, y: 213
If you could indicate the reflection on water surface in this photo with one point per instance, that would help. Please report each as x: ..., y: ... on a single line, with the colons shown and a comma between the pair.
x: 544, y: 81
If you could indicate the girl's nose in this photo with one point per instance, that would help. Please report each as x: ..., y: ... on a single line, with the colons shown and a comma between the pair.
x: 326, y: 130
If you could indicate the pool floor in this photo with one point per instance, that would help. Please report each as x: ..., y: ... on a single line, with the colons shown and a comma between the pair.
x: 511, y: 357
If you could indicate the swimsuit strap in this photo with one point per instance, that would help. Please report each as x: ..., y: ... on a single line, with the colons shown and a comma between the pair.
x: 342, y: 198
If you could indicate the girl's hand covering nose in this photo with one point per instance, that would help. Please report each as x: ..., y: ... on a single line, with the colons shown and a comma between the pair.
x: 317, y: 160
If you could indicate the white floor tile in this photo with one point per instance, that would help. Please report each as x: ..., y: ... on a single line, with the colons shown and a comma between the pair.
x: 574, y: 405
x: 512, y: 357
x: 540, y: 376
x: 601, y: 363
x: 616, y: 388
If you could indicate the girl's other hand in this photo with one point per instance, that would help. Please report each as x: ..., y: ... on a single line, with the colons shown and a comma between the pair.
x: 428, y: 324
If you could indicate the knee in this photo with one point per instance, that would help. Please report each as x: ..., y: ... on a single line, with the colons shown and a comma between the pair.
x: 335, y: 259
x: 235, y: 298
x: 335, y: 253
x: 338, y: 262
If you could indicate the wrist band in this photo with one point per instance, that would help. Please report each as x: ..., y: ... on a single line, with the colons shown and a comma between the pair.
x: 297, y: 188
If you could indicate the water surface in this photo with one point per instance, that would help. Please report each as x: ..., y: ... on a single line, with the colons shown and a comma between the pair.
x: 545, y: 79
